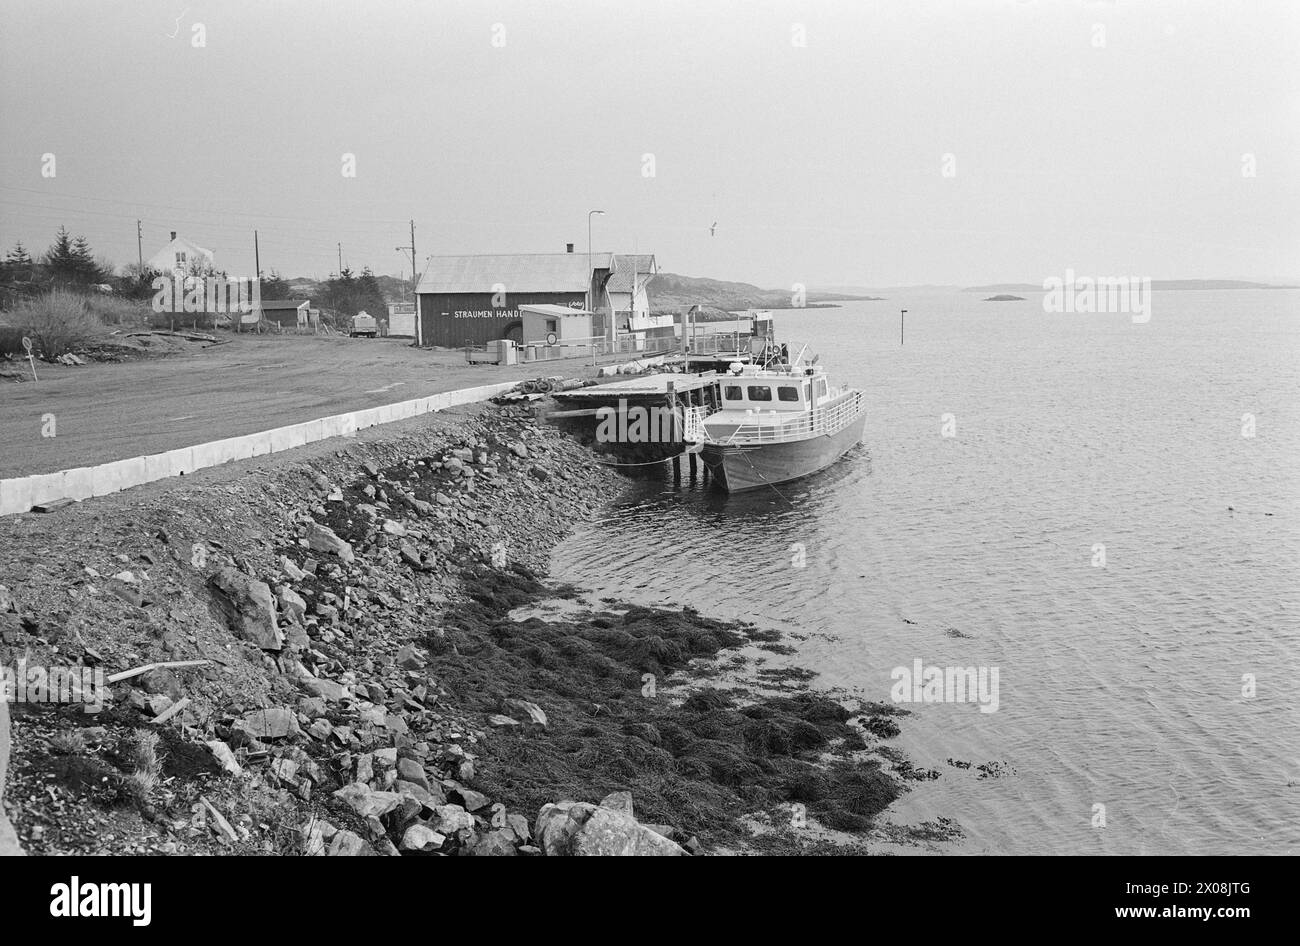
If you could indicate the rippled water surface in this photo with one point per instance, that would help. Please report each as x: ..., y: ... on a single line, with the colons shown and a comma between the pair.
x: 1118, y: 685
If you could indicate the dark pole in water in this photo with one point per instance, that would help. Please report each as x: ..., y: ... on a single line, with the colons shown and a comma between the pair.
x: 901, y: 313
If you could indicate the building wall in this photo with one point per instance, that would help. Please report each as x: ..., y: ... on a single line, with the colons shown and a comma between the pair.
x: 568, y: 328
x: 454, y: 319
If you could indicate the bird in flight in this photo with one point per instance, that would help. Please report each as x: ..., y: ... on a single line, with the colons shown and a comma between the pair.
x: 713, y: 228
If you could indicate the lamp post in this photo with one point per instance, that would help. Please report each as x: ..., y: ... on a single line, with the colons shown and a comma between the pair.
x: 590, y: 308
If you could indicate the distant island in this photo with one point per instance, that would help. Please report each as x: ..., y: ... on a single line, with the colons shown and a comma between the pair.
x: 1005, y: 298
x: 672, y: 291
x: 1164, y: 284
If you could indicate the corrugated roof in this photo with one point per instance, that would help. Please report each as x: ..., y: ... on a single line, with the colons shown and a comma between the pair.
x: 643, y: 264
x: 283, y: 303
x: 546, y: 308
x: 520, y: 272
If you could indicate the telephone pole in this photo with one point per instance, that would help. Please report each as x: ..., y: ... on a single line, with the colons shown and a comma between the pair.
x: 139, y: 246
x: 340, y: 259
x: 413, y: 276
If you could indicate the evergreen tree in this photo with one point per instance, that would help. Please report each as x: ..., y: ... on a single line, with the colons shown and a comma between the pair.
x: 369, y: 296
x: 275, y: 287
x: 71, y: 261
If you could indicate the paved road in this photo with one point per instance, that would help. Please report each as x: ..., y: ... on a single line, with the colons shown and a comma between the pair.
x: 106, y: 412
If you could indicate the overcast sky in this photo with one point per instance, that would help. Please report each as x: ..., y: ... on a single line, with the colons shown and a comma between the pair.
x: 1112, y: 152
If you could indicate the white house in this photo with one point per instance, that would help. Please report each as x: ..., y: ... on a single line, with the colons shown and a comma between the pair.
x: 628, y: 297
x: 179, y: 254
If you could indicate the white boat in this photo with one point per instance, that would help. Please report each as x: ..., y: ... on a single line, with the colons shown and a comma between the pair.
x: 776, y: 424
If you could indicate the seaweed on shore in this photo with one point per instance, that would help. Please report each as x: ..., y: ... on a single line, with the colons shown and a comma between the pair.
x: 698, y: 764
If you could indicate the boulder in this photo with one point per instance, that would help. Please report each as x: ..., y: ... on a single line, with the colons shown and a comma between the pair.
x: 573, y: 828
x: 248, y: 607
x: 322, y: 539
x: 367, y: 802
x: 420, y: 837
x: 271, y: 723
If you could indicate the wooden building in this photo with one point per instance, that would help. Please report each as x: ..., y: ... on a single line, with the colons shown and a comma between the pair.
x: 475, y: 299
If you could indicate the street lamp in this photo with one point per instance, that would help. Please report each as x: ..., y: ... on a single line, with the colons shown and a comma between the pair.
x: 590, y: 214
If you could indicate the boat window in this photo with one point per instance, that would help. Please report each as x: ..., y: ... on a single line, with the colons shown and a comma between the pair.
x: 758, y: 392
x: 787, y: 393
x: 821, y: 387
x: 732, y: 392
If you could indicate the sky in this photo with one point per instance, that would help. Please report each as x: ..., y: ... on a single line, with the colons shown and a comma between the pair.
x: 840, y: 143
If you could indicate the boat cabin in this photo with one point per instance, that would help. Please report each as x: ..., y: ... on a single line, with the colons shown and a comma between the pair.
x: 796, y: 391
x: 769, y: 402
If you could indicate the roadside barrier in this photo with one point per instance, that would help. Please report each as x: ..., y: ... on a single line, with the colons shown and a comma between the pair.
x: 20, y: 494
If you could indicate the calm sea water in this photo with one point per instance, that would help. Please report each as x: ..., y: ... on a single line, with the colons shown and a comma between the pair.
x: 1120, y: 685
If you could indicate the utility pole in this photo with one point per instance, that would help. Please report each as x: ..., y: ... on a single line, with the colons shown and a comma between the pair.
x: 901, y: 314
x: 340, y: 259
x: 139, y: 246
x: 413, y: 276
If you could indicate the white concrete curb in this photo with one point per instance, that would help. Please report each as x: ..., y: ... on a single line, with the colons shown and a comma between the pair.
x: 22, y: 493
x: 8, y: 839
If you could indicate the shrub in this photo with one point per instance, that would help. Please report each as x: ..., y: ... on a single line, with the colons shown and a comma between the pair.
x: 57, y: 321
x: 112, y: 310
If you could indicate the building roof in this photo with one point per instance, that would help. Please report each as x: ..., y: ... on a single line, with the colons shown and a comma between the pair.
x: 284, y: 303
x: 642, y: 264
x: 520, y: 272
x: 546, y: 308
x: 165, y: 258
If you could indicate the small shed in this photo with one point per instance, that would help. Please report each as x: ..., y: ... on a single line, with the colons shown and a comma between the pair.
x: 548, y: 324
x: 286, y: 313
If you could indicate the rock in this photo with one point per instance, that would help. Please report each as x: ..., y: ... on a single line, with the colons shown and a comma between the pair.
x: 496, y: 719
x: 326, y: 689
x: 7, y: 602
x: 472, y: 800
x: 322, y: 539
x: 448, y: 819
x: 619, y: 801
x: 500, y: 843
x: 291, y: 601
x: 428, y: 797
x: 519, y: 450
x: 162, y: 681
x: 270, y: 723
x: 420, y: 837
x: 124, y: 591
x: 291, y: 571
x: 411, y: 771
x: 409, y: 658
x: 393, y: 527
x: 316, y: 836
x: 348, y: 844
x: 572, y: 828
x: 540, y: 473
x: 367, y: 802
x: 522, y: 709
x: 248, y: 607
x: 225, y: 757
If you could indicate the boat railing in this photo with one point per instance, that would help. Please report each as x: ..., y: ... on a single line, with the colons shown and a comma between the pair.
x: 693, y: 423
x: 820, y: 420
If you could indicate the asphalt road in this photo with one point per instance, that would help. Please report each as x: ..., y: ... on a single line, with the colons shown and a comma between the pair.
x: 111, y: 411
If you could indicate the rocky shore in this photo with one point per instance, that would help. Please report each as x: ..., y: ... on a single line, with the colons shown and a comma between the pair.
x: 353, y: 651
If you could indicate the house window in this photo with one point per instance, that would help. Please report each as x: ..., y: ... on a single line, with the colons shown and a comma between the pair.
x: 552, y: 325
x: 180, y: 259
x: 787, y: 393
x: 758, y: 392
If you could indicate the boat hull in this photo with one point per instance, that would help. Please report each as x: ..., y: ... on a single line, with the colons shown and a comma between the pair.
x: 739, y: 468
